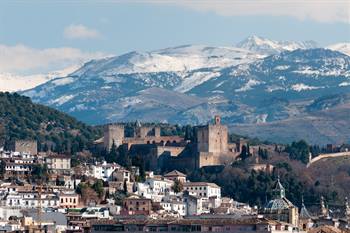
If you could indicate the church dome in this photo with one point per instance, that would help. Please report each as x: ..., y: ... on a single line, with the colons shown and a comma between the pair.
x: 280, y: 201
x: 279, y: 204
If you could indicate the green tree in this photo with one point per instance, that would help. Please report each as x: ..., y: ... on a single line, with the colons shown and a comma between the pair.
x: 81, y: 187
x: 299, y: 151
x: 40, y: 173
x: 189, y: 133
x: 98, y: 187
x: 178, y: 186
x: 2, y: 168
x: 123, y: 157
x: 263, y: 153
x: 125, y: 187
x: 111, y: 157
x: 245, y: 153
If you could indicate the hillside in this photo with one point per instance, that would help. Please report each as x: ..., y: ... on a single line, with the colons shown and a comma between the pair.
x: 331, y: 125
x: 22, y: 119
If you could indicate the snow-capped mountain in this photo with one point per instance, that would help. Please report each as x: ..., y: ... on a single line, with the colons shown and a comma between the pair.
x: 11, y: 82
x: 191, y: 83
x: 341, y: 47
x: 236, y: 92
x: 265, y: 46
x: 178, y: 59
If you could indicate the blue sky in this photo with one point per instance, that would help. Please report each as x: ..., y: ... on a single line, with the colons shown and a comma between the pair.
x: 80, y: 30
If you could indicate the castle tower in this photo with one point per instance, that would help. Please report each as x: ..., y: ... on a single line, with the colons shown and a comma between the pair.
x: 113, y: 133
x: 212, y: 143
x: 157, y: 132
x: 212, y: 138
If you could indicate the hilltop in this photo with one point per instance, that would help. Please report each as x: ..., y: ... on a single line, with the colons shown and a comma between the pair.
x: 20, y: 118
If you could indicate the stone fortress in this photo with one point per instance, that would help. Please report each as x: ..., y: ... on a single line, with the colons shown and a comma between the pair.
x: 210, y: 146
x: 115, y: 133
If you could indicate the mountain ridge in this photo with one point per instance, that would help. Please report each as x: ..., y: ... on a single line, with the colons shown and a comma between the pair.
x: 242, y: 86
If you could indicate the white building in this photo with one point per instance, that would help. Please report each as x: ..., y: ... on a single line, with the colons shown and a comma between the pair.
x: 174, y: 207
x: 18, y: 168
x: 58, y: 162
x: 203, y: 189
x: 155, y: 188
x: 103, y: 170
x: 95, y: 212
x: 31, y: 200
x: 160, y: 185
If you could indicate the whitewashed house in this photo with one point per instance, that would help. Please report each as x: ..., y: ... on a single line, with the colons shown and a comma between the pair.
x: 203, y: 189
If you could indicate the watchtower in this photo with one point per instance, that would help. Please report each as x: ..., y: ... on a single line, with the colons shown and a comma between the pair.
x: 113, y: 133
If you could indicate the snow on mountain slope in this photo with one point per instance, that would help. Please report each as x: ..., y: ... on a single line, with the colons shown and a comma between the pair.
x: 341, y: 47
x: 266, y: 46
x: 177, y: 59
x: 200, y: 56
x: 252, y: 92
x: 11, y: 83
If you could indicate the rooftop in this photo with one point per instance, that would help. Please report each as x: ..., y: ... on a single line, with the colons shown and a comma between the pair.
x: 201, y: 184
x: 279, y: 204
x: 175, y: 173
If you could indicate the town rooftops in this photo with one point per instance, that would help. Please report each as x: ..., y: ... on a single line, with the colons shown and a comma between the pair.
x: 279, y: 204
x: 174, y: 173
x: 107, y: 165
x: 326, y: 229
x: 135, y: 197
x: 58, y: 156
x: 192, y: 221
x: 189, y: 184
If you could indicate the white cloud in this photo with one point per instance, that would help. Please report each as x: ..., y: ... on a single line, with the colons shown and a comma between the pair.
x: 21, y: 59
x: 79, y: 31
x: 328, y: 11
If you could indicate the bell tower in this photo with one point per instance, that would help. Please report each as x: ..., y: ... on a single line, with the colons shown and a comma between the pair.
x: 279, y: 191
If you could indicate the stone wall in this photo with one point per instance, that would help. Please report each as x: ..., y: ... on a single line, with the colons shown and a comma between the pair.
x: 25, y: 146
